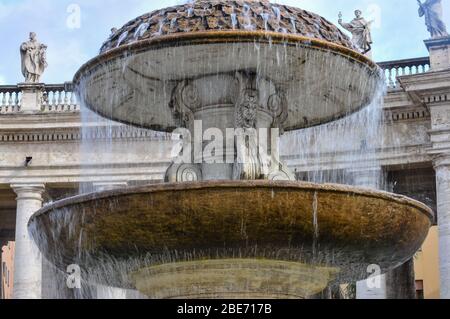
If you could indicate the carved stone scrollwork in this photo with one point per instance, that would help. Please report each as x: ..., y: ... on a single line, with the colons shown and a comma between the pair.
x: 185, y: 99
x: 283, y: 174
x: 183, y: 173
x: 278, y: 106
x: 247, y: 103
x: 247, y: 162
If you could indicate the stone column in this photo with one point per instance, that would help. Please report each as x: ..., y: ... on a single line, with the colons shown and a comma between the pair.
x: 370, y: 178
x: 27, y: 259
x: 2, y: 243
x: 400, y: 282
x: 443, y: 212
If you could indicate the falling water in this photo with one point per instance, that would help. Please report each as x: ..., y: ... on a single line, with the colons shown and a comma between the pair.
x: 277, y: 12
x: 122, y: 38
x: 141, y: 30
x: 294, y: 24
x: 265, y: 16
x: 329, y: 153
x: 173, y: 23
x: 338, y: 146
x: 247, y: 18
x: 233, y: 19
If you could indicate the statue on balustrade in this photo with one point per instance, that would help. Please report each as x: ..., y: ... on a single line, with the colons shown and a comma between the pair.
x: 360, y: 30
x: 432, y: 10
x: 34, y: 61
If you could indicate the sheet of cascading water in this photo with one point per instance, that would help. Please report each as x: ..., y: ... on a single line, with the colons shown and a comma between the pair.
x: 198, y: 237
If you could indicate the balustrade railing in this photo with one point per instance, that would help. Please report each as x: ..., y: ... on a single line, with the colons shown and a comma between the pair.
x: 10, y: 96
x: 54, y: 98
x: 59, y: 98
x: 394, y: 69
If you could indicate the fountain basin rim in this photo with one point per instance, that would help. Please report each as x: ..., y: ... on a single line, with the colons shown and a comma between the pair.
x: 202, y: 185
x: 206, y: 37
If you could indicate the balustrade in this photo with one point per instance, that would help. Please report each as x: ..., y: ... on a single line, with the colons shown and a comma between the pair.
x: 54, y: 98
x: 394, y: 69
x: 10, y: 97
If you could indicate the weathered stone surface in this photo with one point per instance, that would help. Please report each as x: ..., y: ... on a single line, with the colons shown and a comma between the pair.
x: 221, y: 15
x: 233, y: 278
x: 209, y: 220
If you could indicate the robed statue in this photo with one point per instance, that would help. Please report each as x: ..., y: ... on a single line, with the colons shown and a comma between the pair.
x: 432, y: 11
x: 34, y: 61
x: 360, y: 30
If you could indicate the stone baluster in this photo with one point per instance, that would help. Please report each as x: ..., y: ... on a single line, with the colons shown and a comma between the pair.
x: 391, y: 78
x: 66, y: 98
x: 10, y: 100
x: 72, y: 98
x: 60, y: 97
x: 54, y: 100
x: 18, y: 99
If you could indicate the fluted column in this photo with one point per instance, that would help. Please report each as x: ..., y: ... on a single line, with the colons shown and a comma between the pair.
x: 443, y: 212
x: 27, y: 259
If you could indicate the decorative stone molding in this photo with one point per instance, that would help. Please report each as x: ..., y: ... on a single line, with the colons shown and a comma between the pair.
x: 183, y: 173
x: 436, y: 98
x: 247, y: 103
x: 185, y: 99
x: 29, y: 191
x: 77, y: 135
x: 398, y: 115
x: 278, y: 105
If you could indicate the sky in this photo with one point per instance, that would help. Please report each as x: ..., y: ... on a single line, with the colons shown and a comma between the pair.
x: 74, y: 30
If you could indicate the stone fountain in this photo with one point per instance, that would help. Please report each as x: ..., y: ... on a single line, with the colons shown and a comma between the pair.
x: 234, y: 228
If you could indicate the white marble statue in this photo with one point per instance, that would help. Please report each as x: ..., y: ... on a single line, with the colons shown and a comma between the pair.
x: 34, y: 60
x: 360, y: 30
x: 432, y: 11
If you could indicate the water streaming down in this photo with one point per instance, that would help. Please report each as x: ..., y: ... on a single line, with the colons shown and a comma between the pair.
x: 216, y: 238
x: 336, y: 152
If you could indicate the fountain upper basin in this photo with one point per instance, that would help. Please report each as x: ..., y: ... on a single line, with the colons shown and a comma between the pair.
x: 326, y: 226
x: 305, y: 60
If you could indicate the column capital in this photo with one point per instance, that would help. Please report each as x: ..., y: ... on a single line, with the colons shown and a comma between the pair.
x: 28, y: 191
x: 441, y: 161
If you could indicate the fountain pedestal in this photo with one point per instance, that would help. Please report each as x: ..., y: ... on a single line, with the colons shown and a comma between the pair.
x: 233, y: 124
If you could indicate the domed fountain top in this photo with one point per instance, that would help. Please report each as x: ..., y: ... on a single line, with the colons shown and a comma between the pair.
x: 226, y: 15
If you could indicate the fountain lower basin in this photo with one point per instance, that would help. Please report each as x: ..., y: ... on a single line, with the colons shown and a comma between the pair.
x: 337, y: 228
